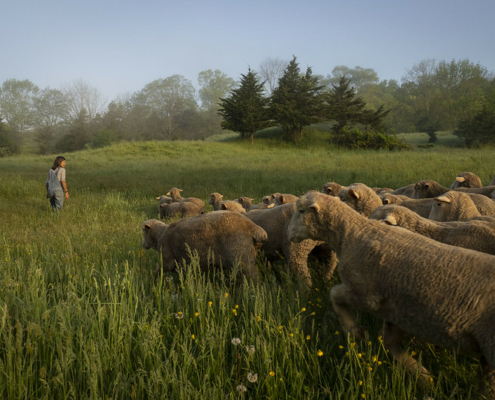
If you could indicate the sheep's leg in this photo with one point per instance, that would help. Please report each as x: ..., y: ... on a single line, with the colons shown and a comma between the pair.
x: 331, y: 264
x: 340, y: 296
x: 486, y: 386
x: 392, y: 337
x: 297, y: 258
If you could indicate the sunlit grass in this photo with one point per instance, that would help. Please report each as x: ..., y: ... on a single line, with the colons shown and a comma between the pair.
x: 82, y: 316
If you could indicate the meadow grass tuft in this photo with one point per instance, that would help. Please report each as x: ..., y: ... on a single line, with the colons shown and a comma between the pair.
x: 82, y: 315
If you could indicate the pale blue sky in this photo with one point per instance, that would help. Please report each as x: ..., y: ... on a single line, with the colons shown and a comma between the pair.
x: 119, y: 46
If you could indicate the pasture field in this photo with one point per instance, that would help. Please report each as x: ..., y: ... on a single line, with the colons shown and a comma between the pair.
x: 83, y: 317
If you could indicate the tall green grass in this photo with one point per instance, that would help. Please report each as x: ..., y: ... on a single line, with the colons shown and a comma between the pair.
x: 82, y: 316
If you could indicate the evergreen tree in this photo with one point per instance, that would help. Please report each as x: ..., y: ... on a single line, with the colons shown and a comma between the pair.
x: 297, y: 101
x: 245, y: 111
x: 344, y: 106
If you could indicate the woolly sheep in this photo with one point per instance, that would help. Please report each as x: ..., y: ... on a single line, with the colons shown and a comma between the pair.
x: 232, y: 205
x: 261, y: 206
x: 245, y: 202
x: 388, y: 198
x: 331, y: 188
x: 275, y: 222
x: 215, y: 200
x: 453, y: 206
x: 466, y: 179
x: 285, y: 199
x: 484, y: 191
x: 176, y: 197
x: 441, y: 294
x: 183, y: 210
x: 430, y: 189
x: 164, y: 199
x: 361, y: 198
x: 220, y: 238
x: 270, y: 198
x: 475, y: 235
x: 405, y: 190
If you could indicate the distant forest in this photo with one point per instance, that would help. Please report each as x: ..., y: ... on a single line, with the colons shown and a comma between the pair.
x: 456, y: 95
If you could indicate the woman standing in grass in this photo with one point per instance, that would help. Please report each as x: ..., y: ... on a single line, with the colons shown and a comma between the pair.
x: 56, y: 187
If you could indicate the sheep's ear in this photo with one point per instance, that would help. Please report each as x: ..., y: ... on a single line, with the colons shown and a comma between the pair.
x: 158, y: 198
x: 180, y: 190
x: 389, y: 219
x: 167, y: 194
x: 460, y: 179
x: 163, y: 205
x: 353, y: 194
x: 146, y: 227
x: 427, y: 185
x: 314, y: 207
x: 385, y: 201
x: 443, y: 199
x: 271, y: 205
x: 281, y: 199
x: 223, y: 207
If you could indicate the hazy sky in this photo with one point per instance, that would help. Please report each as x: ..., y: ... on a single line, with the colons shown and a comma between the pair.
x: 119, y: 46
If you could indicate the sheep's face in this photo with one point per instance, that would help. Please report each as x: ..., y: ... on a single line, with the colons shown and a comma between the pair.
x: 440, y: 210
x: 150, y: 234
x: 303, y: 221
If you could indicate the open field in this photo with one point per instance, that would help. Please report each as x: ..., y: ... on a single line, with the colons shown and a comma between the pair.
x: 81, y: 315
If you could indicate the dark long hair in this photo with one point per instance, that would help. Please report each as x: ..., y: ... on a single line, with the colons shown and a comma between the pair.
x: 57, y: 162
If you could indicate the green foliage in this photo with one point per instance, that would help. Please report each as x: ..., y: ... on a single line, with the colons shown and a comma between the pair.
x: 103, y: 138
x: 7, y: 146
x: 479, y: 130
x: 297, y: 101
x: 369, y: 139
x: 245, y: 111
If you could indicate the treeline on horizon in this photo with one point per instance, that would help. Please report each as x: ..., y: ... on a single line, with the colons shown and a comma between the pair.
x: 456, y: 95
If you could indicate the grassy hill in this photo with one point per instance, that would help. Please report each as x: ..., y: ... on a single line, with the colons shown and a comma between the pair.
x: 82, y: 315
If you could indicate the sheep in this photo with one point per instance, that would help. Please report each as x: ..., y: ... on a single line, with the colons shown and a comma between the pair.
x: 270, y: 198
x: 232, y: 205
x: 379, y: 190
x: 421, y: 207
x: 388, y: 198
x: 285, y: 199
x: 220, y: 238
x: 444, y: 295
x: 245, y: 202
x: 361, y: 198
x: 176, y: 197
x: 466, y: 179
x: 474, y: 235
x: 164, y: 199
x: 183, y: 210
x: 430, y: 189
x: 275, y: 222
x: 331, y: 188
x: 261, y: 206
x: 453, y: 206
x: 215, y: 200
x: 407, y: 190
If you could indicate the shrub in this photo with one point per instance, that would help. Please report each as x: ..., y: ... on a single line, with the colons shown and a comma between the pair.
x: 479, y: 130
x: 373, y: 140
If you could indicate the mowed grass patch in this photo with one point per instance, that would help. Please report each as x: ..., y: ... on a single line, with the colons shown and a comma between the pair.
x: 82, y: 315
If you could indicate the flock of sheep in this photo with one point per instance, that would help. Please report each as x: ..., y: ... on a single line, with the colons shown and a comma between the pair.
x: 420, y: 258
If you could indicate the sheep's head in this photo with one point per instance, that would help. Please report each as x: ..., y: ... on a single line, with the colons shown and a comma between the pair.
x: 152, y: 230
x: 466, y: 179
x: 174, y: 193
x: 215, y: 198
x: 304, y: 221
x: 331, y: 188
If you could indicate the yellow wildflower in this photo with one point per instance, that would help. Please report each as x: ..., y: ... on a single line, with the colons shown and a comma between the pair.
x: 272, y: 373
x: 319, y: 353
x: 308, y: 337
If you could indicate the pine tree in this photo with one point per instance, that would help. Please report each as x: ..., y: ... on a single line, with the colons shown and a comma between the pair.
x: 297, y: 101
x: 344, y: 105
x: 245, y: 111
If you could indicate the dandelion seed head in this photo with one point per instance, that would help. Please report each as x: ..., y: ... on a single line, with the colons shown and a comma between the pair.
x: 241, y: 388
x: 250, y: 349
x: 236, y: 341
x: 252, y: 377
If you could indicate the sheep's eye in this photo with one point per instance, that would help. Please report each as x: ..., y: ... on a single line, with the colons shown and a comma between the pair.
x: 439, y: 204
x: 301, y: 211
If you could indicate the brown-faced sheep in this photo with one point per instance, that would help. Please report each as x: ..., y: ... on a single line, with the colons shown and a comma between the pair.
x: 221, y: 239
x: 176, y: 197
x: 215, y: 200
x: 331, y: 188
x: 182, y: 210
x: 445, y: 295
x: 467, y: 180
x: 275, y: 222
x: 475, y: 235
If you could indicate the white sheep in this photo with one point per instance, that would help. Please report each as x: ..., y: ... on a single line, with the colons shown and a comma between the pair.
x: 220, y: 238
x: 453, y: 206
x: 388, y: 198
x: 407, y: 190
x: 361, y: 198
x: 232, y: 205
x: 245, y: 202
x: 331, y: 188
x: 475, y: 235
x: 441, y: 294
x: 285, y: 199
